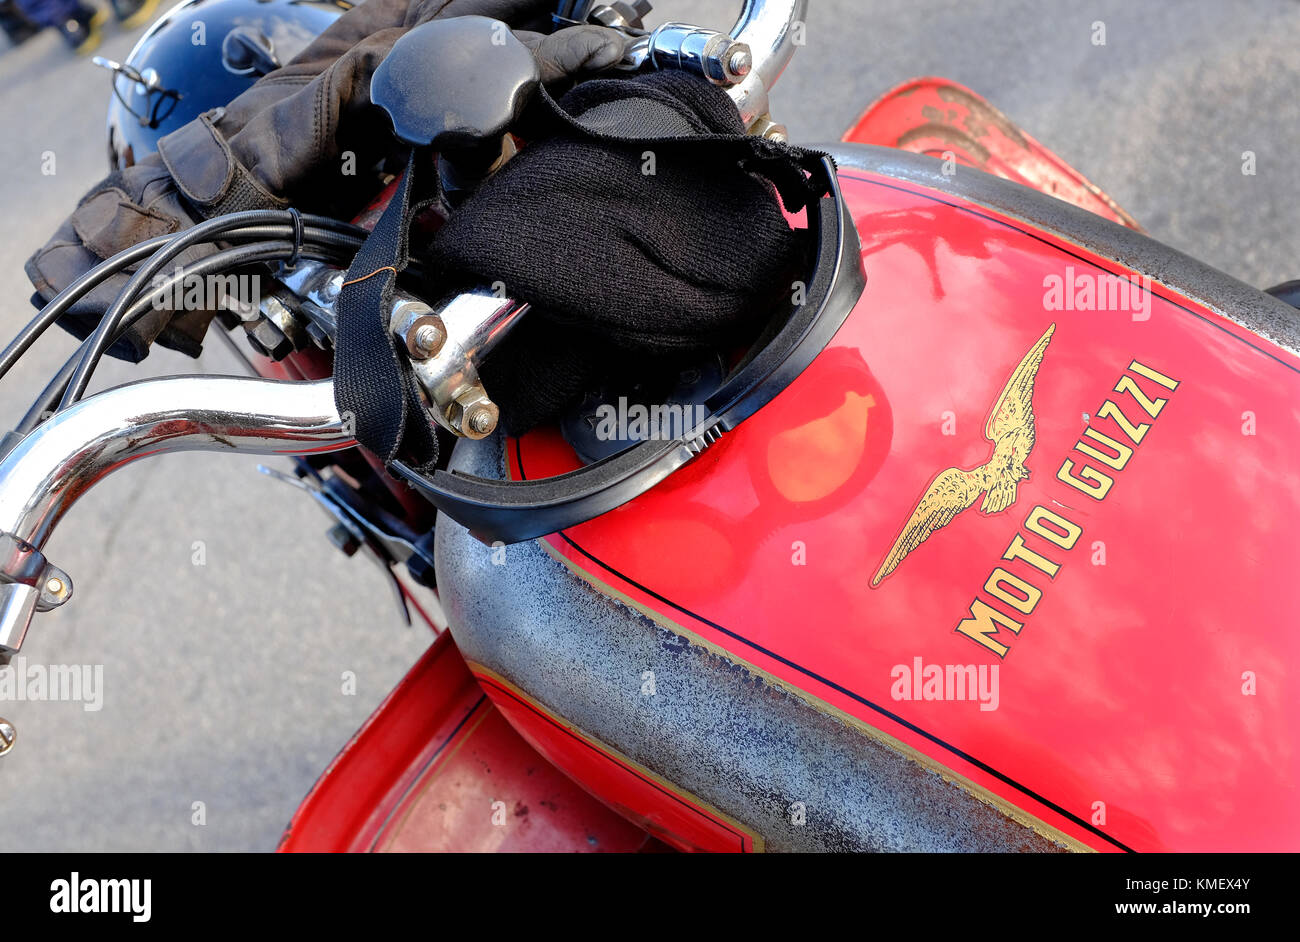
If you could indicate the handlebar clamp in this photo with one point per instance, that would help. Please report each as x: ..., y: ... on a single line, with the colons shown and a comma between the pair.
x: 29, y: 583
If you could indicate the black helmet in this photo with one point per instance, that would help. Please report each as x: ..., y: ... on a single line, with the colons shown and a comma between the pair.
x: 198, y: 56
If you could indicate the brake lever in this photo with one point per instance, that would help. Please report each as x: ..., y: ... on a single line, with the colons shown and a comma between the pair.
x: 384, y: 548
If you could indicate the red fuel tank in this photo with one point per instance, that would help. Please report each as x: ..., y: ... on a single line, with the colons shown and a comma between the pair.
x: 1010, y: 565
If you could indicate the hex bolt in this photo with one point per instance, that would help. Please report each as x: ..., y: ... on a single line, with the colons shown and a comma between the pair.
x: 472, y: 414
x: 428, y: 340
x: 482, y: 421
x: 268, y: 339
x: 319, y: 335
x: 419, y: 329
x: 740, y: 61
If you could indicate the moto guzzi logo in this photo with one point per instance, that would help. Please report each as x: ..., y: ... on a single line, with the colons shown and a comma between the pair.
x: 1010, y: 428
x: 1012, y: 590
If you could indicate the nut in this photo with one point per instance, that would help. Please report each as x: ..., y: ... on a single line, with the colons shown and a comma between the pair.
x: 268, y: 339
x: 725, y: 61
x: 740, y: 61
x: 764, y: 126
x: 421, y: 330
x: 343, y: 539
x: 473, y: 414
x: 425, y: 340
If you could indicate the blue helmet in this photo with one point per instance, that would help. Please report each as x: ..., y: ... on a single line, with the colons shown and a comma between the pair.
x: 198, y: 56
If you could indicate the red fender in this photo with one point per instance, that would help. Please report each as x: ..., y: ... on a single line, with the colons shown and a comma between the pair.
x: 938, y: 117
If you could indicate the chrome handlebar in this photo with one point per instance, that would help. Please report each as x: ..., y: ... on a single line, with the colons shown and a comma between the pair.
x: 59, y: 460
x: 748, y: 60
x: 772, y: 29
x: 64, y: 457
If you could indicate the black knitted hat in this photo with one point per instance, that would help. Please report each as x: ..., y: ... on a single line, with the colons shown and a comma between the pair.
x: 634, y: 250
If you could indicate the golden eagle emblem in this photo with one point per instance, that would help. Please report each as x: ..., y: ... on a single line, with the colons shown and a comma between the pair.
x: 1011, y: 430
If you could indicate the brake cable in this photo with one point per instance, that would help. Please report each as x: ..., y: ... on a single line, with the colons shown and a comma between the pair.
x: 48, y: 401
x: 89, y: 280
x: 102, y: 338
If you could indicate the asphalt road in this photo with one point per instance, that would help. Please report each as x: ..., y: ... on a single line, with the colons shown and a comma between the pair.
x: 222, y: 682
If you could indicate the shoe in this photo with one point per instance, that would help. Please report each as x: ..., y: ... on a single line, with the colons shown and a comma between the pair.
x: 84, y: 30
x: 133, y: 13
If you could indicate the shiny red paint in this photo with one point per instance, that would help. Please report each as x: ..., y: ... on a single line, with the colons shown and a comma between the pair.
x: 1123, y: 721
x: 436, y: 768
x: 938, y: 117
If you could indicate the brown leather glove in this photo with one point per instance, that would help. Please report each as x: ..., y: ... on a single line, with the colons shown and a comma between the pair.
x: 304, y: 135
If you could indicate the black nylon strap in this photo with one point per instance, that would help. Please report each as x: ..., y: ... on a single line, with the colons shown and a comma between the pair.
x: 374, y: 387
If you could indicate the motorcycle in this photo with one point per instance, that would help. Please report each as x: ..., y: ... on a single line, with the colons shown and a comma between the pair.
x: 965, y: 555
